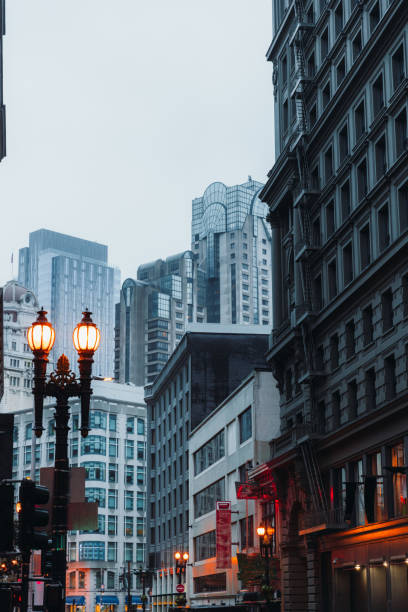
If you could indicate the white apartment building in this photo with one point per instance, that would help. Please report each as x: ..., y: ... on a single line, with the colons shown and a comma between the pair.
x: 113, y: 456
x: 20, y: 308
x: 232, y: 439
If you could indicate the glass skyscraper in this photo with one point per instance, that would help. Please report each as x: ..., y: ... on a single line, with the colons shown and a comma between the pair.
x: 231, y: 241
x: 69, y: 274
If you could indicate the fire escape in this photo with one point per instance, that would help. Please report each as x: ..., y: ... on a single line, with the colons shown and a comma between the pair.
x: 306, y: 243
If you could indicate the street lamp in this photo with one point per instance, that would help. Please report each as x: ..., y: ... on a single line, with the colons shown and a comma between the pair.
x: 266, y: 547
x: 181, y: 562
x: 61, y: 384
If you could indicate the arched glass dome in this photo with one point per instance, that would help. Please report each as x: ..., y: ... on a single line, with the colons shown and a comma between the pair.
x: 216, y: 193
x: 214, y: 219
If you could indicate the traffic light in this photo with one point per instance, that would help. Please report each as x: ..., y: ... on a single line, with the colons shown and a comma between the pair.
x: 46, y: 559
x: 6, y: 599
x: 52, y: 596
x: 6, y: 517
x: 30, y: 517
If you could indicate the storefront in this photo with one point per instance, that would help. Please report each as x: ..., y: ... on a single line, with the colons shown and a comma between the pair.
x: 106, y: 603
x: 75, y: 603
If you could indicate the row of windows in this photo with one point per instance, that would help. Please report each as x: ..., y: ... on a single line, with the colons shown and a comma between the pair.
x: 96, y: 470
x: 93, y: 494
x: 171, y: 527
x: 109, y: 525
x: 96, y: 445
x: 95, y: 551
x: 358, y: 252
x: 205, y: 544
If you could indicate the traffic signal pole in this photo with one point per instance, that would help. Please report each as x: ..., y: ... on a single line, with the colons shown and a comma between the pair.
x: 25, y: 571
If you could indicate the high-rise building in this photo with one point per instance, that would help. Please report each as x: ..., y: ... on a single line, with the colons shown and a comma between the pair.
x: 67, y: 275
x: 114, y: 458
x: 338, y: 199
x: 152, y: 316
x: 231, y: 241
x: 20, y: 308
x: 225, y: 278
x: 207, y: 365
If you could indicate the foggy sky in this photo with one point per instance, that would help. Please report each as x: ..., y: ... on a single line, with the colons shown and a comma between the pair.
x: 120, y: 112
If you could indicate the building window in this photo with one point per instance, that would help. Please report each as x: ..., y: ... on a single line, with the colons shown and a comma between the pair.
x: 50, y: 451
x: 338, y: 19
x: 285, y: 116
x: 245, y: 425
x: 210, y: 453
x: 403, y: 208
x: 113, y: 499
x: 113, y: 472
x: 343, y: 146
x: 92, y: 551
x: 140, y: 427
x: 348, y: 263
x: 374, y: 17
x: 112, y: 551
x: 311, y: 65
x: 399, y: 481
x: 332, y: 277
x: 204, y: 546
x: 81, y: 579
x: 94, y: 470
x: 378, y: 95
x: 317, y: 293
x: 362, y: 184
x: 380, y: 158
x: 205, y: 500
x: 357, y: 45
x: 370, y: 389
x: 340, y: 71
x: 93, y: 494
x: 383, y: 227
x: 350, y: 339
x: 336, y: 408
x: 390, y: 378
x: 326, y: 95
x: 141, y: 451
x: 210, y: 583
x: 112, y: 422
x: 324, y: 45
x: 387, y: 311
x: 352, y: 399
x: 334, y: 351
x: 330, y: 219
x: 112, y: 525
x: 328, y: 164
x: 97, y: 419
x: 128, y: 551
x: 246, y: 528
x: 129, y: 449
x: 405, y: 295
x: 359, y: 120
x: 368, y: 327
x: 93, y: 445
x: 398, y: 69
x: 365, y: 246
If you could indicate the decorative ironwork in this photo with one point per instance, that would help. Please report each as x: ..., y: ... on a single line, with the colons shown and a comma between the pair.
x: 63, y: 377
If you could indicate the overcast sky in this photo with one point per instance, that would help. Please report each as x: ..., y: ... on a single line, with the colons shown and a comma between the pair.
x: 120, y: 112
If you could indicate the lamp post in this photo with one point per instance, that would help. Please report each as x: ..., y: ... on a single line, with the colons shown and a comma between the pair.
x: 61, y: 384
x: 181, y: 562
x: 265, y: 546
x: 144, y: 574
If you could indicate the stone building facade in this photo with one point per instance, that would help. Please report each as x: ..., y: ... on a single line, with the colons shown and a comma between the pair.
x: 338, y: 200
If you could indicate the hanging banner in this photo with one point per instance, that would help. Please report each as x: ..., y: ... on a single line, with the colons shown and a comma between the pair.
x: 223, y: 534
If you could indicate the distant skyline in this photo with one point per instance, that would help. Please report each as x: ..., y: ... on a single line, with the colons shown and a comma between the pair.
x: 119, y: 114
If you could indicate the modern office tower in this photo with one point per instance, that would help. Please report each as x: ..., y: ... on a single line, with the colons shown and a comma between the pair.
x: 338, y: 199
x: 19, y: 311
x: 67, y: 275
x: 152, y: 316
x: 202, y: 371
x: 231, y: 241
x: 113, y: 456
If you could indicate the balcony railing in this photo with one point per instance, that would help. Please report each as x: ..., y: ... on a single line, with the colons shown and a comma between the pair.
x: 294, y: 435
x: 323, y: 520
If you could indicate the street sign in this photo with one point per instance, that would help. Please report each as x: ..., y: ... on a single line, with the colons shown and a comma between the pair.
x: 180, y: 588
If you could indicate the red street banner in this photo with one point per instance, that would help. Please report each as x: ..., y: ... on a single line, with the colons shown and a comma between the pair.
x: 223, y: 534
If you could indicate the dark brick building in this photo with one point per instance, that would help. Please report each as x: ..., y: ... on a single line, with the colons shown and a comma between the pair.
x: 338, y: 199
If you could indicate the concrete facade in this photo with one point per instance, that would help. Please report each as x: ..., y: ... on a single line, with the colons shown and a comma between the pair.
x: 338, y: 210
x: 239, y: 452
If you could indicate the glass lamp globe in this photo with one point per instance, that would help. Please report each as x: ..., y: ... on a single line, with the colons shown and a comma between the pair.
x: 185, y: 556
x: 177, y: 556
x: 260, y: 531
x: 41, y: 334
x: 86, y: 336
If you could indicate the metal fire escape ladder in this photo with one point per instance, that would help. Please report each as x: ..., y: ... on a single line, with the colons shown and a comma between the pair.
x: 314, y: 477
